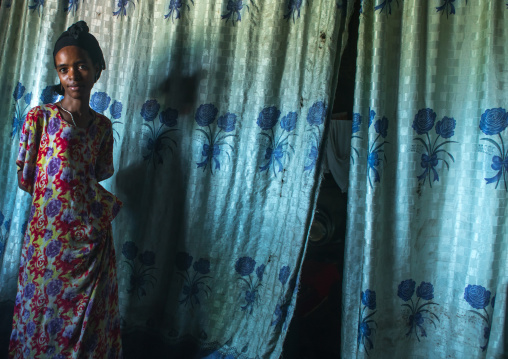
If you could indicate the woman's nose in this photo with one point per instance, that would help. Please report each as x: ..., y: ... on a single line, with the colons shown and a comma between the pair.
x: 74, y: 73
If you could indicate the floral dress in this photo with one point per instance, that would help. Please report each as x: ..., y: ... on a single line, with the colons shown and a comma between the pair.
x: 67, y: 300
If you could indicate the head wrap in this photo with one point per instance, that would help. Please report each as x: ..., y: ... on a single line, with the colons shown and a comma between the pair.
x: 78, y: 35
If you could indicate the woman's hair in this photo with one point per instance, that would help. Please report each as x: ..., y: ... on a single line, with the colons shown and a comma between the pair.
x: 78, y: 35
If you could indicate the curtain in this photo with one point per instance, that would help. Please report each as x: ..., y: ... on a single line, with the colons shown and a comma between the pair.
x: 426, y: 267
x: 218, y: 110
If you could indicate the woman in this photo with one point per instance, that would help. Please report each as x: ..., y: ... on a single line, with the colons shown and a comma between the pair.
x: 67, y: 300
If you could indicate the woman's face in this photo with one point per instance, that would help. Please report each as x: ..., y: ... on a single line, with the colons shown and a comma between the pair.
x: 76, y: 71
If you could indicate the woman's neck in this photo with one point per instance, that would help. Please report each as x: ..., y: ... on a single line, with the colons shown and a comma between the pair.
x: 79, y: 107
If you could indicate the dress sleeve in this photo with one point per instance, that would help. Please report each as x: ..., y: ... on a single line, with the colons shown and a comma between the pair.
x: 104, y: 166
x: 28, y: 149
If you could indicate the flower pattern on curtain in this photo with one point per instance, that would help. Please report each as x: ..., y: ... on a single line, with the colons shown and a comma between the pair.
x: 218, y: 113
x: 426, y: 250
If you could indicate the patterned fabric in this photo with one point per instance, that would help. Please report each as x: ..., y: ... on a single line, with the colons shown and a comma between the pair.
x: 219, y: 112
x: 67, y: 300
x: 426, y: 247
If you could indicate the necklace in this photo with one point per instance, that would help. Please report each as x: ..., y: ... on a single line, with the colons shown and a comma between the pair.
x: 70, y: 113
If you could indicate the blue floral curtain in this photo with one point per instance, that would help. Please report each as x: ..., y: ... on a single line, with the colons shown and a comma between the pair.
x: 426, y: 267
x: 218, y: 110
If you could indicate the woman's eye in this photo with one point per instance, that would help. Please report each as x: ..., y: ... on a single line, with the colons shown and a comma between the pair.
x: 83, y: 67
x: 62, y: 70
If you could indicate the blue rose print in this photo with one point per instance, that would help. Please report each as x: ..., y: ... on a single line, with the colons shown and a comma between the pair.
x: 493, y: 122
x: 130, y: 250
x: 260, y: 271
x: 36, y: 5
x: 141, y: 266
x: 293, y: 8
x: 313, y: 155
x: 423, y: 122
x: 315, y: 118
x: 317, y: 113
x: 368, y: 299
x: 425, y: 291
x: 149, y: 110
x: 366, y: 323
x: 288, y: 122
x: 277, y: 149
x: 376, y: 148
x: 100, y: 101
x: 169, y: 117
x: 381, y: 127
x: 174, y: 9
x: 202, y: 266
x: 158, y: 138
x: 20, y: 110
x: 284, y: 274
x: 48, y: 95
x: 214, y: 143
x: 122, y: 7
x: 196, y: 283
x: 233, y: 11
x: 372, y: 116
x: 357, y: 121
x: 245, y: 266
x: 4, y: 232
x: 384, y: 4
x: 447, y: 7
x: 406, y: 289
x: 419, y: 314
x: 116, y: 109
x: 479, y: 298
x: 268, y: 117
x: 279, y: 321
x: 72, y: 6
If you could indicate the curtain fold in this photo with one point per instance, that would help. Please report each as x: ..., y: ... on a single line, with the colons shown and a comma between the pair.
x: 426, y: 271
x: 218, y: 111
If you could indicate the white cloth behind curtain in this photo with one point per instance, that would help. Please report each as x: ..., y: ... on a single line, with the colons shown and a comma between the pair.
x: 338, y: 151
